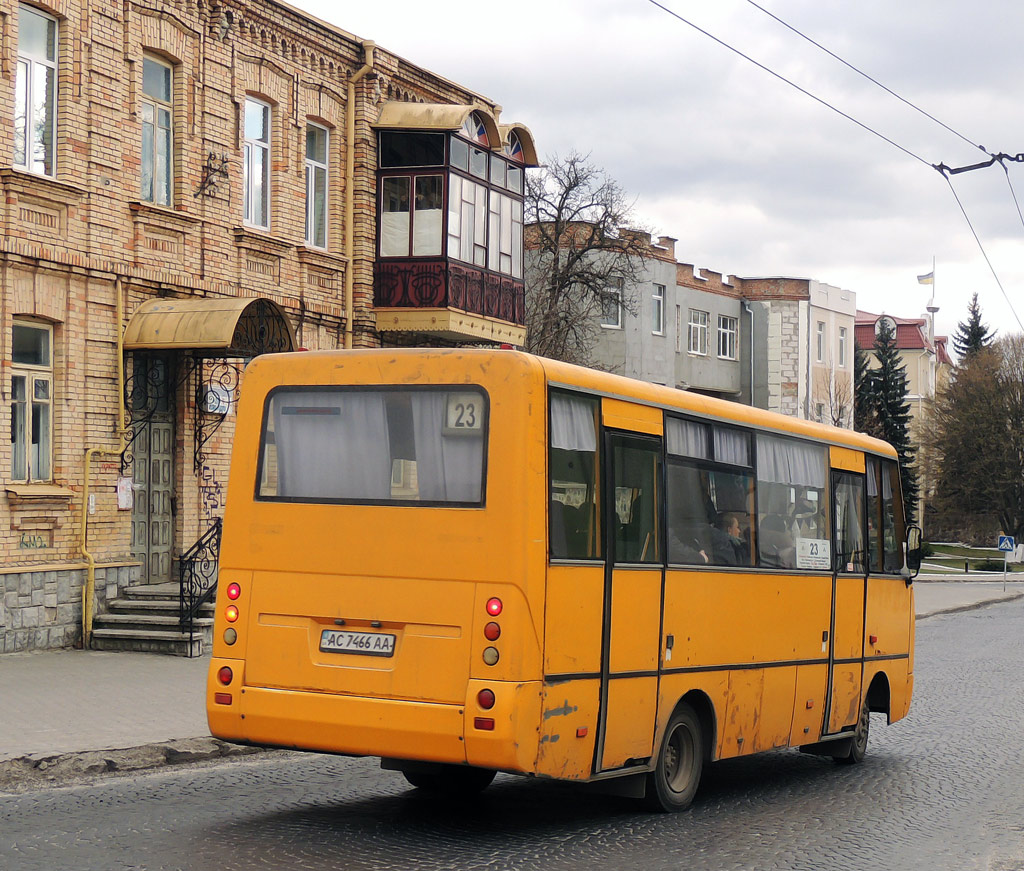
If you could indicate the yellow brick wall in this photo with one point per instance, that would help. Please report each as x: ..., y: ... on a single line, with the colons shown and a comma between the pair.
x: 69, y: 242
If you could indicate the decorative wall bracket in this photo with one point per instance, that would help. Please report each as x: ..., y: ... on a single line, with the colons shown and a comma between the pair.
x: 215, y: 169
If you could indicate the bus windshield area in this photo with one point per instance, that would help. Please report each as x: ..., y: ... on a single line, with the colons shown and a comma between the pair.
x: 423, y: 445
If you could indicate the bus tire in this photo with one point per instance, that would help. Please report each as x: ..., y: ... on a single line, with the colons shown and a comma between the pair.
x: 451, y: 780
x: 673, y: 783
x: 859, y: 743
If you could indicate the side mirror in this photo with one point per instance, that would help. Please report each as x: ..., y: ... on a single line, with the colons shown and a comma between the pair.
x: 912, y: 564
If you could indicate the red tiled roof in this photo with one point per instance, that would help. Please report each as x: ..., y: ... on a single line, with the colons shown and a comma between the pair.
x: 911, y: 333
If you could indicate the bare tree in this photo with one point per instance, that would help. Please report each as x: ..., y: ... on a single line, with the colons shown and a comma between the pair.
x: 835, y: 392
x: 579, y: 260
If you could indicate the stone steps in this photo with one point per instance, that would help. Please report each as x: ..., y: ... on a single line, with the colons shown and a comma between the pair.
x: 146, y: 619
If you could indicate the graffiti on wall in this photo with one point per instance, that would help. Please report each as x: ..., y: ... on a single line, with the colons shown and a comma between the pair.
x: 211, y: 494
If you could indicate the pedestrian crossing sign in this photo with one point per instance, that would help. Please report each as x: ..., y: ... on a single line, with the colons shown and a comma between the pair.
x: 1006, y: 543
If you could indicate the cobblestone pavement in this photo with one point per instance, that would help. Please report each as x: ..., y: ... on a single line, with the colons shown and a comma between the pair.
x: 939, y: 790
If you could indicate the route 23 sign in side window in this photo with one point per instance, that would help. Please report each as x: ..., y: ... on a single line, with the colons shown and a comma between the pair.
x: 465, y: 414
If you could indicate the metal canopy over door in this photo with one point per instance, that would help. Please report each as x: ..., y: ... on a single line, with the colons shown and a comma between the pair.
x: 846, y: 647
x: 634, y: 581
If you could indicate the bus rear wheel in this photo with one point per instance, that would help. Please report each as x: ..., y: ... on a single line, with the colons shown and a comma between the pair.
x: 673, y: 783
x: 451, y: 780
x: 859, y: 742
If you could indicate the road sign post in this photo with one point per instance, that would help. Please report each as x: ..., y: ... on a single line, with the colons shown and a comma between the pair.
x: 1007, y: 545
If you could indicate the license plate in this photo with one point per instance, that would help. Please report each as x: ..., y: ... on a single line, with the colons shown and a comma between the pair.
x: 367, y: 643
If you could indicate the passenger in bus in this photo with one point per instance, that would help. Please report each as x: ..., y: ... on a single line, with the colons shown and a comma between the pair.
x: 728, y: 546
x: 777, y: 548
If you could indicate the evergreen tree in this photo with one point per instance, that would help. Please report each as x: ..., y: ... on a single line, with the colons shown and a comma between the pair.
x: 865, y: 417
x: 971, y: 335
x: 889, y: 401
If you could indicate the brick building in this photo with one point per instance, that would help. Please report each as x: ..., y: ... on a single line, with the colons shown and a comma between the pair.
x: 188, y: 185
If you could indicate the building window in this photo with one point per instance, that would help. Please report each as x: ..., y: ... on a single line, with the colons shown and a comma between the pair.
x: 842, y: 346
x: 257, y: 164
x: 698, y: 343
x: 611, y: 308
x: 658, y: 311
x: 821, y: 342
x: 31, y: 397
x: 411, y: 225
x: 157, y: 135
x: 316, y: 185
x: 727, y: 328
x: 35, y: 95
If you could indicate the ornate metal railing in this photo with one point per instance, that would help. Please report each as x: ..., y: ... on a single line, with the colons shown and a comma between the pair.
x: 198, y: 572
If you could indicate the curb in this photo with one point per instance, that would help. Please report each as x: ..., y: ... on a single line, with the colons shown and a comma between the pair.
x: 35, y: 772
x: 973, y: 606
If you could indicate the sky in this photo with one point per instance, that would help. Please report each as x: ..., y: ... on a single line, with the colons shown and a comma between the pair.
x: 751, y: 176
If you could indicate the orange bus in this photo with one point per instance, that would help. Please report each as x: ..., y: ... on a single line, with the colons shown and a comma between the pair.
x: 470, y: 561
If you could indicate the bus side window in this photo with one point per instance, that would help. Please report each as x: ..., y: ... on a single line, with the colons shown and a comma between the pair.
x: 893, y: 521
x: 792, y: 518
x: 573, y: 518
x: 637, y: 473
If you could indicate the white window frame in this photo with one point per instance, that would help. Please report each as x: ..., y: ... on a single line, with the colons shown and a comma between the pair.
x: 658, y: 302
x: 250, y: 147
x: 313, y: 167
x: 821, y: 341
x: 606, y: 322
x: 728, y: 331
x: 161, y: 175
x: 697, y: 342
x: 35, y: 470
x: 25, y: 80
x: 842, y: 346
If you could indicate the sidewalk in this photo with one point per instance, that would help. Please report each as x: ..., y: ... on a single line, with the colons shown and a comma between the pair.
x: 68, y: 709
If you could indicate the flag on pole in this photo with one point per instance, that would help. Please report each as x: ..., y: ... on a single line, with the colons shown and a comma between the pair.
x: 927, y: 278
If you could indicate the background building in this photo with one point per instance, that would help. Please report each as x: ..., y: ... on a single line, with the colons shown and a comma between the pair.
x: 928, y: 365
x: 188, y: 185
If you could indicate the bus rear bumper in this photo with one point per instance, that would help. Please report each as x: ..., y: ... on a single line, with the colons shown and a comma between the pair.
x: 349, y: 725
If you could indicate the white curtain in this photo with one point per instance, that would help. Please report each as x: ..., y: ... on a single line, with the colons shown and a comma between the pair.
x: 394, y: 234
x: 572, y: 423
x: 426, y: 238
x: 687, y: 438
x: 788, y: 461
x: 732, y: 446
x: 449, y: 467
x: 332, y: 445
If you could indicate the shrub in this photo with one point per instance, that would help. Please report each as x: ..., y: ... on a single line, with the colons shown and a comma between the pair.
x: 927, y: 550
x: 988, y: 565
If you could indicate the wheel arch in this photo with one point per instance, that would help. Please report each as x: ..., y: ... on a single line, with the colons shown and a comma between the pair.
x: 879, y: 697
x: 701, y: 704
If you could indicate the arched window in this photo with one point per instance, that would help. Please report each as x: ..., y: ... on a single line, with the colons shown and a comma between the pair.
x: 885, y: 319
x: 474, y: 130
x: 513, y: 147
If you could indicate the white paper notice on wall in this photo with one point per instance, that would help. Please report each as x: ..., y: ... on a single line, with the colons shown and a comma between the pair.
x: 813, y: 553
x: 124, y: 494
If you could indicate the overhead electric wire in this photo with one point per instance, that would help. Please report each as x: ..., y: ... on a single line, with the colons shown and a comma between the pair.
x: 792, y: 84
x: 984, y: 254
x: 860, y: 72
x: 941, y: 168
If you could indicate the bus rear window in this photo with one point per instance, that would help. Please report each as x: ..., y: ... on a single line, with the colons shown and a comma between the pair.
x: 424, y: 445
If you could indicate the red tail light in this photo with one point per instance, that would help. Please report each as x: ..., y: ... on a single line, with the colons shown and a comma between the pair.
x: 222, y: 698
x: 494, y: 607
x: 492, y: 631
x: 485, y: 698
x: 484, y: 723
x: 234, y: 591
x: 225, y: 675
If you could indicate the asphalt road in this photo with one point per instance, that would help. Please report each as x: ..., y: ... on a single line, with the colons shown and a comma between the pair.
x: 939, y: 790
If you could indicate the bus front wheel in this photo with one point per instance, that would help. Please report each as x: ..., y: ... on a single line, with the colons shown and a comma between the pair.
x: 673, y: 783
x: 451, y: 780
